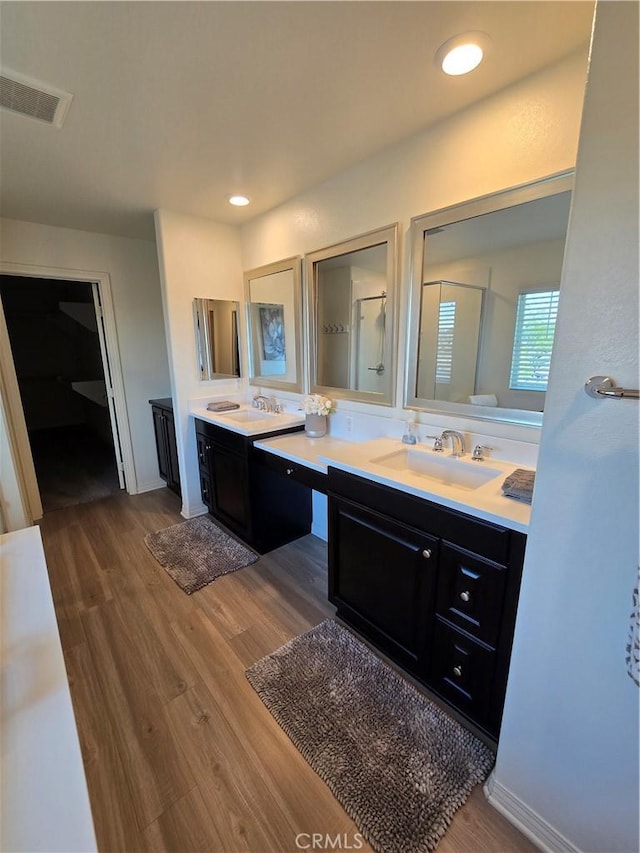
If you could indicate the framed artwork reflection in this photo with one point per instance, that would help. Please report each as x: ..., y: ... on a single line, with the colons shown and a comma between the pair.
x: 272, y: 330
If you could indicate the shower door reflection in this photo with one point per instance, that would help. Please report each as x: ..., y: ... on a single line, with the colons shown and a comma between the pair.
x: 369, y: 364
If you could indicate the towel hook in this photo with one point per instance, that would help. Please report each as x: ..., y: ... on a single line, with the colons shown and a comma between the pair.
x: 604, y: 386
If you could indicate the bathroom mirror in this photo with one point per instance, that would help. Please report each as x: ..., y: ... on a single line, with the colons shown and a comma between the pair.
x: 274, y: 325
x: 484, y: 297
x: 352, y: 305
x: 217, y: 348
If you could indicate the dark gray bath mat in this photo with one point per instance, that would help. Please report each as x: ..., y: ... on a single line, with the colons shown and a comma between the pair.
x: 196, y: 552
x: 398, y: 764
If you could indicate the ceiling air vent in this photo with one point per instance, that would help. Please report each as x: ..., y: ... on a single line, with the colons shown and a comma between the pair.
x: 31, y: 98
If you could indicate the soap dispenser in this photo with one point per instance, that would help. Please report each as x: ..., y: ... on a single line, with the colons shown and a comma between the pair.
x: 410, y: 436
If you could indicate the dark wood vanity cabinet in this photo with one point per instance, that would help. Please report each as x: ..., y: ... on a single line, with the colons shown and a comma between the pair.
x: 435, y: 589
x: 166, y: 446
x: 260, y: 506
x: 382, y: 578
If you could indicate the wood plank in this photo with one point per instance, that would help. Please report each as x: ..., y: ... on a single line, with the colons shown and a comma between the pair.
x: 479, y: 827
x: 154, y: 762
x: 187, y: 825
x: 247, y: 815
x: 110, y: 794
x: 72, y: 557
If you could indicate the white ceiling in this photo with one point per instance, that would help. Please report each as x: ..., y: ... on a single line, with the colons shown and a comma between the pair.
x: 180, y: 104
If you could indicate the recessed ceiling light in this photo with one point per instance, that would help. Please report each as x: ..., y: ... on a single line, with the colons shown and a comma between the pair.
x: 462, y: 59
x: 463, y: 53
x: 239, y: 200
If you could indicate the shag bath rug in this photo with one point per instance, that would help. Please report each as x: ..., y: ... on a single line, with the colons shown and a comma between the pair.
x: 398, y: 764
x: 196, y: 552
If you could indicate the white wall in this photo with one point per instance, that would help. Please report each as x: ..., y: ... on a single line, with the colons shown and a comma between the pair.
x: 569, y: 743
x: 198, y: 259
x: 525, y: 132
x: 133, y: 271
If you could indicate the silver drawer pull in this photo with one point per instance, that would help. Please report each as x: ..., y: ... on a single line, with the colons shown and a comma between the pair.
x: 457, y: 671
x: 289, y: 471
x: 426, y: 553
x: 465, y: 596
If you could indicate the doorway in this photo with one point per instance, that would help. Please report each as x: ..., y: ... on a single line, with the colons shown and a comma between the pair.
x: 57, y: 342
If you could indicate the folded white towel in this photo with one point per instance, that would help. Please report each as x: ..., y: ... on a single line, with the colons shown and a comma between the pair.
x: 483, y: 400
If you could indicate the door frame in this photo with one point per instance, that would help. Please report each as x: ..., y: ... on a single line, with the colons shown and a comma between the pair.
x: 23, y: 459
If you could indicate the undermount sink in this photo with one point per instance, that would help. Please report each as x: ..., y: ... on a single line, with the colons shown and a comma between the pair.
x: 446, y: 470
x: 244, y: 415
x: 252, y: 421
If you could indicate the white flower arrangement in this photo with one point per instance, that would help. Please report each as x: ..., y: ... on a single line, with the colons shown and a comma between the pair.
x: 316, y: 404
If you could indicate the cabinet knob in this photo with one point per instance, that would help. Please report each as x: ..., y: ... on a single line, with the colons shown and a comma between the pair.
x: 457, y: 671
x: 465, y: 596
x: 426, y: 553
x: 289, y: 471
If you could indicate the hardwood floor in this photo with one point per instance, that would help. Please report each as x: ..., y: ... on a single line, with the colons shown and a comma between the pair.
x: 180, y: 754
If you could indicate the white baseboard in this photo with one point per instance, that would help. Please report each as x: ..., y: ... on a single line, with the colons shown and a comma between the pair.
x: 149, y: 487
x: 193, y: 511
x: 524, y: 818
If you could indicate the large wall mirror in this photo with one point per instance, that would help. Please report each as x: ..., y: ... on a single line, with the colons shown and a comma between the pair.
x: 352, y: 306
x: 485, y: 290
x: 274, y: 325
x: 217, y: 345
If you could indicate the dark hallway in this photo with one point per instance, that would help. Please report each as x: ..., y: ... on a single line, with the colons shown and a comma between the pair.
x: 56, y: 350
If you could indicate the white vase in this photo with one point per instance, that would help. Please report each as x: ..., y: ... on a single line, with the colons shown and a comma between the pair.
x: 315, y: 426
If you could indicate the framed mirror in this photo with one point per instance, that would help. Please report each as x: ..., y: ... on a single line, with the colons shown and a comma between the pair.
x: 352, y: 317
x: 274, y: 325
x: 217, y: 345
x: 485, y: 288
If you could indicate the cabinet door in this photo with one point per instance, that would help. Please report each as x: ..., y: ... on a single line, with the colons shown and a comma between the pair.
x: 228, y: 483
x: 161, y: 442
x: 173, y: 479
x: 382, y: 579
x: 202, y: 444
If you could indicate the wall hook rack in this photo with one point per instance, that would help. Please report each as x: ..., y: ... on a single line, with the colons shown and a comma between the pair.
x: 604, y: 386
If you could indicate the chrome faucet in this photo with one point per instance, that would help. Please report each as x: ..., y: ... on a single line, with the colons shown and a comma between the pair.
x: 457, y: 441
x: 261, y: 402
x: 266, y: 404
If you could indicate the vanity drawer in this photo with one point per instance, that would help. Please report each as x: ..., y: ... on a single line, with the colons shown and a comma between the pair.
x: 471, y: 593
x: 292, y: 470
x: 221, y: 436
x: 462, y: 671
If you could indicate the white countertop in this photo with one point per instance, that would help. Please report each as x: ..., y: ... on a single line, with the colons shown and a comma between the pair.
x: 486, y: 502
x: 44, y: 804
x: 312, y: 452
x: 257, y: 423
